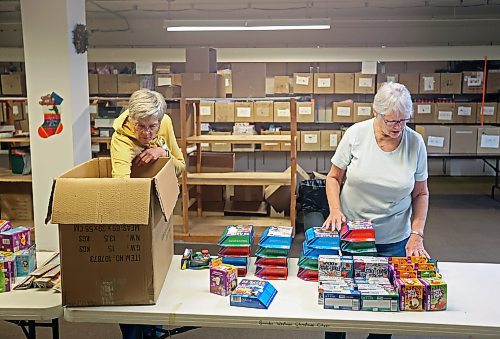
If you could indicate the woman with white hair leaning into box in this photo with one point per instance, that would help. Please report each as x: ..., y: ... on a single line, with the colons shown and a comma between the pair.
x: 384, y: 164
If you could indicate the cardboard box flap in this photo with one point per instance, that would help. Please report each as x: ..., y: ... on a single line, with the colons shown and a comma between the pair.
x: 167, y: 189
x: 101, y: 201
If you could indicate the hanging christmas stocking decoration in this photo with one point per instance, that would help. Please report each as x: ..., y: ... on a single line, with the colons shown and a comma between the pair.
x: 51, y: 125
x: 52, y: 121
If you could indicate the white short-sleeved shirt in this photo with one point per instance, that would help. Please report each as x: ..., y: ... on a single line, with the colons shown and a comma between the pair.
x: 378, y: 184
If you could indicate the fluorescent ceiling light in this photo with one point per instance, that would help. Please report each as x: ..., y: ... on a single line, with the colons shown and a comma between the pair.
x: 245, y: 25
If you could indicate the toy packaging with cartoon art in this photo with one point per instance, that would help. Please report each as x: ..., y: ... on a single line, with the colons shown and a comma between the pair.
x: 274, y: 267
x: 334, y: 266
x: 253, y: 294
x: 236, y: 245
x: 15, y: 239
x: 223, y: 278
x: 411, y: 294
x: 435, y: 294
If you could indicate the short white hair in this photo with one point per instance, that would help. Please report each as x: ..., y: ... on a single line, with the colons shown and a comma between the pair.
x: 393, y: 97
x: 145, y: 104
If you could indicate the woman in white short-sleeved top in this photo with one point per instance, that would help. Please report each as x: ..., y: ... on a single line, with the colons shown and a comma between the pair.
x: 384, y: 164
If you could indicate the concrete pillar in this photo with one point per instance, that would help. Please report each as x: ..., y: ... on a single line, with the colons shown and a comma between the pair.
x: 52, y: 64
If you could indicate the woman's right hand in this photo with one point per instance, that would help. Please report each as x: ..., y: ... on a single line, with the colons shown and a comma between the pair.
x: 334, y: 221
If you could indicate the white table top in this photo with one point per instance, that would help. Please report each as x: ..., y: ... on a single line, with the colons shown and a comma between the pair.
x: 185, y: 300
x: 32, y: 304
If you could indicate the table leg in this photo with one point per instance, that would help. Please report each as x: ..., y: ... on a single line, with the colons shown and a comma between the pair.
x: 55, y: 329
x: 31, y: 329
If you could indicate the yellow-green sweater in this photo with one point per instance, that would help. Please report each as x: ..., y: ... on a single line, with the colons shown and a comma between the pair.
x: 125, y: 147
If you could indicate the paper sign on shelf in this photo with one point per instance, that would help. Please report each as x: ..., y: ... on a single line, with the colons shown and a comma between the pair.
x: 423, y: 109
x: 490, y: 141
x: 165, y: 81
x: 205, y: 110
x: 489, y: 110
x: 365, y: 82
x: 365, y: 111
x: 324, y: 82
x: 302, y: 80
x: 428, y: 83
x: 344, y: 111
x: 243, y: 112
x: 143, y: 67
x: 445, y: 115
x: 333, y: 140
x: 305, y: 110
x: 464, y: 110
x: 435, y: 141
x: 310, y: 138
x: 284, y: 112
x: 369, y: 67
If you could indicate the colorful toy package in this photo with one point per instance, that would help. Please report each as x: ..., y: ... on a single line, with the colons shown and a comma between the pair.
x: 15, y: 239
x: 379, y: 299
x: 411, y: 294
x: 274, y: 262
x: 333, y: 285
x: 318, y: 238
x: 5, y: 225
x: 271, y: 272
x: 307, y: 274
x: 435, y: 294
x: 223, y: 278
x: 25, y: 261
x: 357, y: 230
x: 310, y: 263
x: 236, y: 236
x: 341, y: 299
x: 277, y: 237
x: 315, y: 251
x: 253, y: 294
x: 7, y: 273
x: 334, y: 266
x: 268, y: 252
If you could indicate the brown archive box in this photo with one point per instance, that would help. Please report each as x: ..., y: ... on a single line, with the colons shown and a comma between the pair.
x: 488, y: 140
x: 362, y: 111
x: 466, y: 113
x: 330, y: 140
x: 13, y: 84
x: 220, y: 146
x: 493, y: 83
x: 383, y: 78
x: 263, y: 111
x: 305, y: 111
x: 303, y: 83
x: 224, y: 111
x: 411, y: 81
x: 108, y: 83
x: 281, y: 84
x: 451, y: 83
x: 128, y: 83
x: 281, y: 111
x: 490, y: 112
x: 472, y: 82
x: 436, y: 138
x: 207, y: 111
x: 463, y: 139
x: 249, y: 79
x: 93, y: 84
x: 445, y: 112
x: 115, y: 235
x: 324, y: 83
x: 270, y: 146
x: 364, y: 83
x: 203, y: 85
x: 310, y: 141
x: 342, y: 111
x: 243, y: 112
x: 429, y: 83
x: 424, y: 112
x: 201, y: 60
x: 344, y: 83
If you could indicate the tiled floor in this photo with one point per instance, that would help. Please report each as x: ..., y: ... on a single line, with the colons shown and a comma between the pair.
x: 463, y: 225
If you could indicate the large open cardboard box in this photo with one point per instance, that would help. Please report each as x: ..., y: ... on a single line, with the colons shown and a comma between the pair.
x: 115, y: 235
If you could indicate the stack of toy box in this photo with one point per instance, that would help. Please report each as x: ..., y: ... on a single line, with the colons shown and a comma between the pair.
x: 318, y: 242
x: 17, y: 254
x: 236, y: 245
x: 253, y: 294
x: 48, y: 275
x: 272, y: 253
x: 419, y: 283
x: 358, y: 238
x: 223, y: 277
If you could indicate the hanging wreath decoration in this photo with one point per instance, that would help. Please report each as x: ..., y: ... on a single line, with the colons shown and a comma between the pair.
x: 80, y: 38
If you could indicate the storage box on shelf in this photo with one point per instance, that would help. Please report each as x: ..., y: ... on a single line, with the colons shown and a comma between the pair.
x: 206, y: 228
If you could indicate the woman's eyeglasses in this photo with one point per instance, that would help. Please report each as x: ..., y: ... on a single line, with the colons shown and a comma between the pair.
x: 143, y: 128
x: 394, y: 122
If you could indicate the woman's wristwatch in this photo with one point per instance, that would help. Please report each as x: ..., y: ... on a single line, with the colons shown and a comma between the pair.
x: 167, y: 151
x: 420, y: 234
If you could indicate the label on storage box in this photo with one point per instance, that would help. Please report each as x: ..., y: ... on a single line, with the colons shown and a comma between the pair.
x: 344, y: 111
x: 305, y: 110
x: 428, y: 83
x: 490, y: 141
x: 324, y: 82
x: 464, y: 110
x: 474, y: 81
x: 435, y: 141
x: 365, y: 111
x: 205, y: 110
x: 93, y: 109
x: 489, y: 110
x: 333, y: 140
x: 310, y: 138
x: 165, y: 81
x: 424, y: 109
x: 302, y: 80
x: 227, y: 83
x: 391, y: 78
x: 15, y: 109
x: 243, y: 112
x: 284, y: 112
x: 445, y: 115
x: 365, y: 82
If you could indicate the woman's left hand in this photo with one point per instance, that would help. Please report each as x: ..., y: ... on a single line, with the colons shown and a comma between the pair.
x: 415, y: 246
x: 149, y: 155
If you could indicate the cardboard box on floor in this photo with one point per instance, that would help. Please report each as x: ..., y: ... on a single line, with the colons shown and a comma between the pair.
x: 278, y: 196
x: 436, y: 138
x: 115, y: 235
x: 463, y: 139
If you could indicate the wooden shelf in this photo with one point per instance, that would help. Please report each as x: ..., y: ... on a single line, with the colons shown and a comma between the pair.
x: 238, y: 139
x: 239, y: 178
x: 210, y: 228
x: 14, y: 139
x: 6, y: 175
x: 103, y: 140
